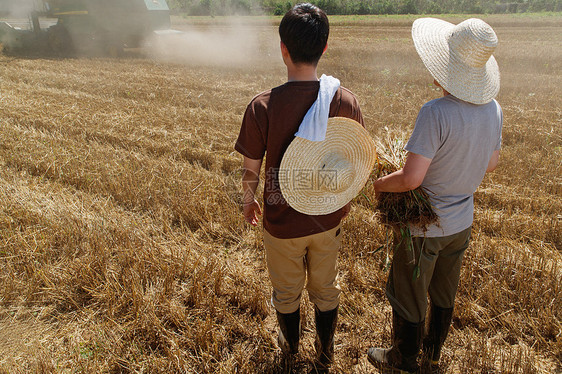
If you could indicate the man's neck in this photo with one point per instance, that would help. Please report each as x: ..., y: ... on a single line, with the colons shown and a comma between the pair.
x: 302, y: 72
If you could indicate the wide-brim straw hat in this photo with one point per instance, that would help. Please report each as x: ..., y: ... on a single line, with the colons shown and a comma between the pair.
x: 459, y: 57
x: 320, y: 177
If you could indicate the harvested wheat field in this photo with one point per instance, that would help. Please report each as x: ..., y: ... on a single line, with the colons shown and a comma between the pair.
x: 122, y: 243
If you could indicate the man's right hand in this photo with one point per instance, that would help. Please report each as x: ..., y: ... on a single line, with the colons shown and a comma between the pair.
x: 251, y: 211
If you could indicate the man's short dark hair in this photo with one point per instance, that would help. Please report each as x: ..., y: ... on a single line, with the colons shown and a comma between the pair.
x: 304, y: 30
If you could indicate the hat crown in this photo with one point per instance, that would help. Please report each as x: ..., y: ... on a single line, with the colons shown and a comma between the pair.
x: 341, y: 171
x: 473, y: 42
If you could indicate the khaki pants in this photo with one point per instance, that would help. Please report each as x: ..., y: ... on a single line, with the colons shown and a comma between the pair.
x: 290, y: 261
x: 440, y: 267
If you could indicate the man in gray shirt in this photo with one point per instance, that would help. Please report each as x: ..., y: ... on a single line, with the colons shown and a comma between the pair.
x: 456, y: 140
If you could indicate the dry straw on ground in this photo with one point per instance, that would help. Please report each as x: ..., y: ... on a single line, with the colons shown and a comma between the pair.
x: 122, y: 245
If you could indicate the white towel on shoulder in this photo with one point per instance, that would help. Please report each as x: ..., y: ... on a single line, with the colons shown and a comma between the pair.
x: 313, y: 126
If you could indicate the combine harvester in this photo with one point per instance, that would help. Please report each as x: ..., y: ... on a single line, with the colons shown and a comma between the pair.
x: 98, y: 27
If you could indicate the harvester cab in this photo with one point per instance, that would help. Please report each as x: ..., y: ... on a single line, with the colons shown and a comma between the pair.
x: 86, y: 26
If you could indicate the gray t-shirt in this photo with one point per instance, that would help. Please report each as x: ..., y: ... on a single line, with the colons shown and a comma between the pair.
x: 459, y: 138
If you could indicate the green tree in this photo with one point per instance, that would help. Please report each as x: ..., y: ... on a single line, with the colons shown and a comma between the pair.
x: 408, y: 7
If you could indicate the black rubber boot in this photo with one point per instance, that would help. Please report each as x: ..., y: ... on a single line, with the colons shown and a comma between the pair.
x: 406, y: 343
x: 439, y: 323
x: 326, y: 323
x: 289, y: 331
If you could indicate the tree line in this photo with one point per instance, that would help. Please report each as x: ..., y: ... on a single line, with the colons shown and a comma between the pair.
x: 279, y: 7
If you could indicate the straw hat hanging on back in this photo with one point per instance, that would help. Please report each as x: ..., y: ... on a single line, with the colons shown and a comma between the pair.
x: 459, y: 57
x: 320, y: 177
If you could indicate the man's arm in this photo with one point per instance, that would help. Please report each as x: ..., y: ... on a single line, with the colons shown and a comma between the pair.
x: 493, y: 163
x: 250, y: 181
x: 408, y: 178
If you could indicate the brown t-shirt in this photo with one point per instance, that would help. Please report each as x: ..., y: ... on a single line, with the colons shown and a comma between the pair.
x: 271, y: 120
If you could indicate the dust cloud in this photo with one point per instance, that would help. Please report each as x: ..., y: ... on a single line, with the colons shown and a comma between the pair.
x: 16, y: 8
x: 231, y: 44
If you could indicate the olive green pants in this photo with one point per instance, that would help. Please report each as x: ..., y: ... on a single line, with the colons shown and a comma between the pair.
x: 439, y: 271
x: 311, y: 259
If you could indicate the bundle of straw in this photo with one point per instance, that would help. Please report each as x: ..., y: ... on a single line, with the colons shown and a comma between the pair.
x: 398, y: 210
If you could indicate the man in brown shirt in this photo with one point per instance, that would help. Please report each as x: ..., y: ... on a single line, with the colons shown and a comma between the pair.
x: 296, y: 244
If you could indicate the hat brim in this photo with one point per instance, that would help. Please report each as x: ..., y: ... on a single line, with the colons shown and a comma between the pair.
x: 299, y: 177
x: 471, y: 84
